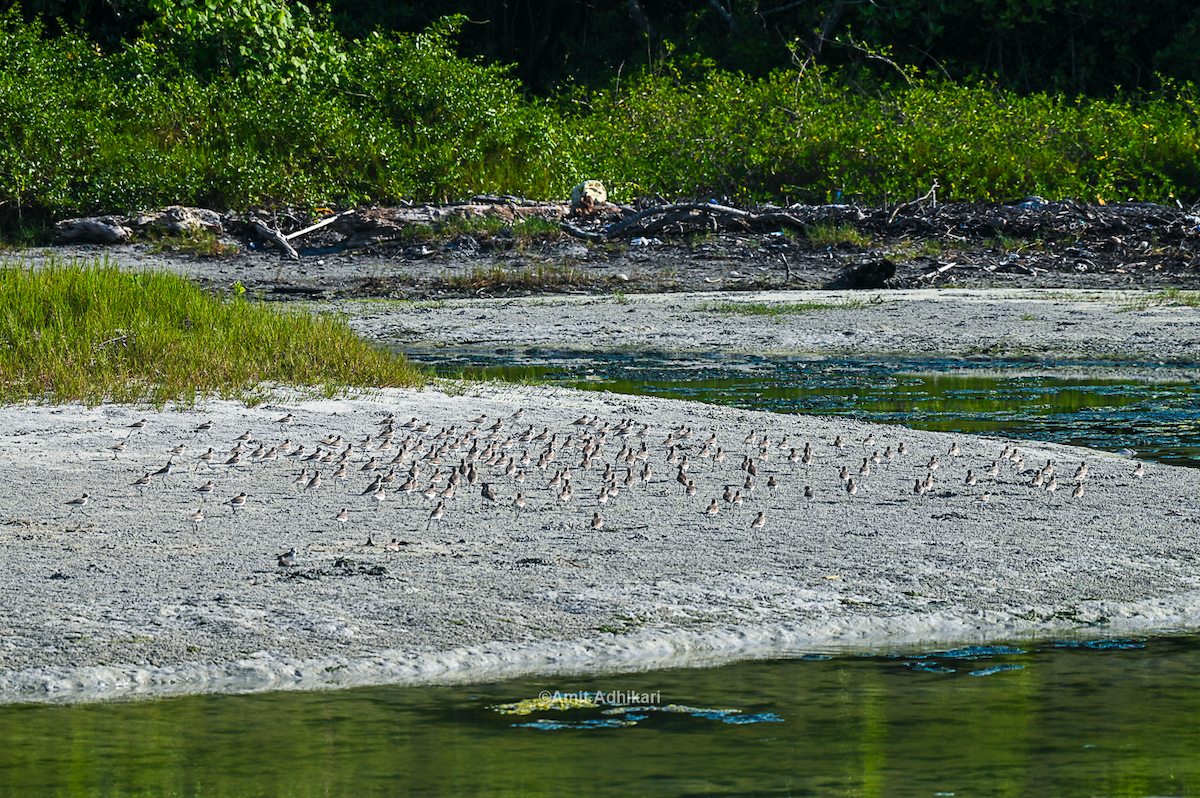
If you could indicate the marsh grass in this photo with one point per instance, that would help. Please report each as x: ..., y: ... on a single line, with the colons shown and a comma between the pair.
x: 202, y: 243
x: 538, y: 229
x: 1168, y: 297
x: 94, y: 333
x: 829, y: 235
x: 539, y: 276
x: 778, y: 308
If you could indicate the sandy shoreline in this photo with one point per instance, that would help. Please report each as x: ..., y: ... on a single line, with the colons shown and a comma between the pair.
x: 1032, y: 324
x: 127, y: 596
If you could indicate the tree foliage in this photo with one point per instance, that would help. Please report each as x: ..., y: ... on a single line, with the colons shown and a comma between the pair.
x: 1071, y: 46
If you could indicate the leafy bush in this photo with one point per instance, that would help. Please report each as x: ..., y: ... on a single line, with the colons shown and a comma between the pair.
x: 189, y: 115
x: 207, y: 109
x: 817, y: 139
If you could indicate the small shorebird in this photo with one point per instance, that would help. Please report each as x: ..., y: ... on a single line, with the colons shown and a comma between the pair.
x: 288, y: 559
x: 970, y: 481
x: 141, y: 481
x: 437, y: 513
x: 760, y: 521
x: 1078, y: 492
x: 343, y: 517
x: 204, y: 490
x: 79, y: 503
x: 120, y: 447
x: 237, y: 502
x: 713, y: 509
x: 285, y: 420
x: 955, y: 450
x: 809, y: 495
x: 519, y: 503
x: 1051, y: 486
x: 165, y: 471
x: 597, y: 521
x: 137, y: 425
x: 206, y: 458
x: 1139, y: 470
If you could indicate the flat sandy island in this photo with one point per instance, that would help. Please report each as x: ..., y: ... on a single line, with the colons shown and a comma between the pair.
x: 133, y: 593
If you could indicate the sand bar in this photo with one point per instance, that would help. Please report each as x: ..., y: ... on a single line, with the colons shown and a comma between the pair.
x: 127, y: 596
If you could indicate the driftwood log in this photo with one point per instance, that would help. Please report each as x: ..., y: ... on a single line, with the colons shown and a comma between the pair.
x: 93, y: 230
x: 275, y: 237
x: 688, y: 215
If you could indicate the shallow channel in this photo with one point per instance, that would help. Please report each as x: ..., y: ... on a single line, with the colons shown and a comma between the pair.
x: 1112, y: 717
x: 1151, y: 409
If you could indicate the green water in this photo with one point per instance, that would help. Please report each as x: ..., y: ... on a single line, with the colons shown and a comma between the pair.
x: 1117, y: 718
x: 1144, y: 407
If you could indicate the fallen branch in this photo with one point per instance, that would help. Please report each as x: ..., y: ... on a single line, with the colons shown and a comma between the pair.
x: 689, y: 206
x: 316, y: 226
x: 275, y: 237
x: 932, y: 192
x: 938, y: 271
x: 574, y: 231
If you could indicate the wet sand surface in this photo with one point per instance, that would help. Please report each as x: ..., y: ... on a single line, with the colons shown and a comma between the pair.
x: 968, y: 323
x: 128, y: 595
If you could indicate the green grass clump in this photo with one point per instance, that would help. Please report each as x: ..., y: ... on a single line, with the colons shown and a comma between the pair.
x: 95, y: 333
x: 1168, y: 297
x: 537, y: 228
x: 778, y: 308
x: 537, y: 277
x: 829, y: 235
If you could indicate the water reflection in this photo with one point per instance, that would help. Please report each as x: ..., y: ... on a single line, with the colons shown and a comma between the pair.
x: 1144, y: 407
x: 1053, y: 718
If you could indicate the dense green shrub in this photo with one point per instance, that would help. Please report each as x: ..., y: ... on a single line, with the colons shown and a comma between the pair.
x: 403, y: 117
x: 167, y: 120
x: 815, y: 138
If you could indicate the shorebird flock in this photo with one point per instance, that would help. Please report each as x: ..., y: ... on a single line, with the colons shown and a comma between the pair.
x: 397, y: 478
